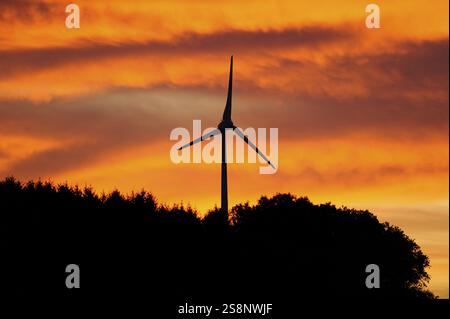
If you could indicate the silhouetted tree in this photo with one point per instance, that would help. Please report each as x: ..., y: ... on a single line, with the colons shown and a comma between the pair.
x: 283, y: 246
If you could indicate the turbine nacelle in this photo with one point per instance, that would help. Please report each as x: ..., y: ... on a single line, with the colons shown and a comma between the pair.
x: 224, y: 124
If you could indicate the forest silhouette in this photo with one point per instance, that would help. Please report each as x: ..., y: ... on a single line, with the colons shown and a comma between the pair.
x: 282, y: 247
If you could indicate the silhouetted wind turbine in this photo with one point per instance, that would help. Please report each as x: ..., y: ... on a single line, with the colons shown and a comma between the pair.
x: 226, y: 123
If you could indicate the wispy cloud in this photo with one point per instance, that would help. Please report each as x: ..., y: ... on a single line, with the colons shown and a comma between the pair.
x: 233, y: 41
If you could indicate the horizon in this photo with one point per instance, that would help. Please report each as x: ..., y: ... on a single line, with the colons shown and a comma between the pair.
x: 362, y: 114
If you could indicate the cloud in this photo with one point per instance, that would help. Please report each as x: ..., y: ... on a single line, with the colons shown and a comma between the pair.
x: 3, y: 154
x: 394, y: 94
x: 232, y: 41
x: 54, y: 161
x: 91, y: 128
x: 86, y: 129
x: 356, y: 175
x: 24, y: 10
x: 403, y: 68
x: 398, y: 93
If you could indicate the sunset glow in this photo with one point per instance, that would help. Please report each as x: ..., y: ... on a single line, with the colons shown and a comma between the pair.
x: 362, y: 114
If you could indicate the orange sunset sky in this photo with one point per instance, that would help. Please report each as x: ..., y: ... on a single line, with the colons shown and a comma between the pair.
x: 362, y: 114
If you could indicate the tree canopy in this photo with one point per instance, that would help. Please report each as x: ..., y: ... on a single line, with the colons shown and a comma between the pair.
x: 282, y: 246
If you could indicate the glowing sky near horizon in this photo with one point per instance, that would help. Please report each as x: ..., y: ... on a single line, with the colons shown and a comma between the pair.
x: 362, y: 114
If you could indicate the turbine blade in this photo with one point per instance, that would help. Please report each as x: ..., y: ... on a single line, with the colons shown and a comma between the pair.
x: 227, y: 111
x: 201, y: 138
x: 246, y: 140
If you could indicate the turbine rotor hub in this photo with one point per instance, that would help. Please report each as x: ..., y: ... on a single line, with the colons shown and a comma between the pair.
x: 224, y: 125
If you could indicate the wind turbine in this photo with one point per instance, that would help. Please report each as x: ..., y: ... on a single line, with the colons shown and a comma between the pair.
x: 226, y: 123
